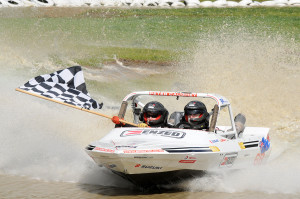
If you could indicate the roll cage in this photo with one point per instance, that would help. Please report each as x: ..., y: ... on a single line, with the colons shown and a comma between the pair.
x: 221, y: 103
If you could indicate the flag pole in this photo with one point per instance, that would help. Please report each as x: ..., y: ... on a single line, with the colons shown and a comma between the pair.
x: 72, y: 106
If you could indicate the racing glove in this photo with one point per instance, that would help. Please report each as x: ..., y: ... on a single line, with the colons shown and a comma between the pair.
x: 142, y: 125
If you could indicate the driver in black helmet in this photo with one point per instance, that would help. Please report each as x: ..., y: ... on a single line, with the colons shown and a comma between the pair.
x: 154, y: 114
x: 195, y: 116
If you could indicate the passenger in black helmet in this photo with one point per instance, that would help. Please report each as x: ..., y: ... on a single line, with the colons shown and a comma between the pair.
x: 195, y: 116
x: 154, y: 114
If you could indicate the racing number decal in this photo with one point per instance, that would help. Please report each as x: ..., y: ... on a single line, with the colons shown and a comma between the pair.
x: 264, y: 146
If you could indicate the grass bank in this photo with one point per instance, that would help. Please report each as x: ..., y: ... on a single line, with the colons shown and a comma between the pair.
x: 91, y: 37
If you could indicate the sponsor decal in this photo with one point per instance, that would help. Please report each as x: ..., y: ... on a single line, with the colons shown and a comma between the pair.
x: 217, y: 140
x: 190, y: 158
x: 146, y: 167
x: 228, y: 160
x: 264, y: 146
x: 223, y: 100
x: 213, y: 141
x: 141, y: 157
x: 104, y: 150
x: 118, y: 147
x: 187, y: 161
x: 174, y: 94
x: 165, y: 133
x: 144, y: 151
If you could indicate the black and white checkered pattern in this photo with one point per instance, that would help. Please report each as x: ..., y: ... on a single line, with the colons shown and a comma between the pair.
x: 66, y: 86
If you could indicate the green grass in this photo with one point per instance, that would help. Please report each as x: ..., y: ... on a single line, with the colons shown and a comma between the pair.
x: 139, y: 55
x: 192, y: 12
x: 96, y: 36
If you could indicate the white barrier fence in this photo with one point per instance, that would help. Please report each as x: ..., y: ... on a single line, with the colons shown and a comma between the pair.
x: 146, y: 3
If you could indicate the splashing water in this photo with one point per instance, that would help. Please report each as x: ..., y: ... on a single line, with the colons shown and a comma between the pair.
x: 261, y: 78
x: 259, y: 75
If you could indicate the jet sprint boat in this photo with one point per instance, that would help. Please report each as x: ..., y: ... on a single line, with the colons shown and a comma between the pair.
x: 151, y: 156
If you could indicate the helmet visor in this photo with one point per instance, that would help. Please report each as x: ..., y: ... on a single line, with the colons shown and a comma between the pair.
x: 195, y: 117
x: 153, y: 115
x: 148, y: 117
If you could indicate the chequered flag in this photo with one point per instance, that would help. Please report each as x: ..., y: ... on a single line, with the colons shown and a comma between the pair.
x: 66, y: 86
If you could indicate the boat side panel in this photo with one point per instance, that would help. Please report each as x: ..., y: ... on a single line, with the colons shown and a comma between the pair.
x: 153, y: 152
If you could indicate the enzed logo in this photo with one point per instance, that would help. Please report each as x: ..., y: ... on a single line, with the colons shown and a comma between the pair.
x: 165, y: 133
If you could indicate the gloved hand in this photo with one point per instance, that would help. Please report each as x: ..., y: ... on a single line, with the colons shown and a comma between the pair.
x: 115, y: 119
x: 142, y: 125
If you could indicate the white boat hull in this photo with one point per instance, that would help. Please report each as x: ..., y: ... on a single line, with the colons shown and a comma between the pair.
x: 158, y: 156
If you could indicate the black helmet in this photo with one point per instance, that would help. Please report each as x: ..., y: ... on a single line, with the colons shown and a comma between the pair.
x: 154, y: 113
x: 195, y: 108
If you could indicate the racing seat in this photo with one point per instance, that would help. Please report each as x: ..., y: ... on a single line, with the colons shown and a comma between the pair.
x: 175, y: 118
